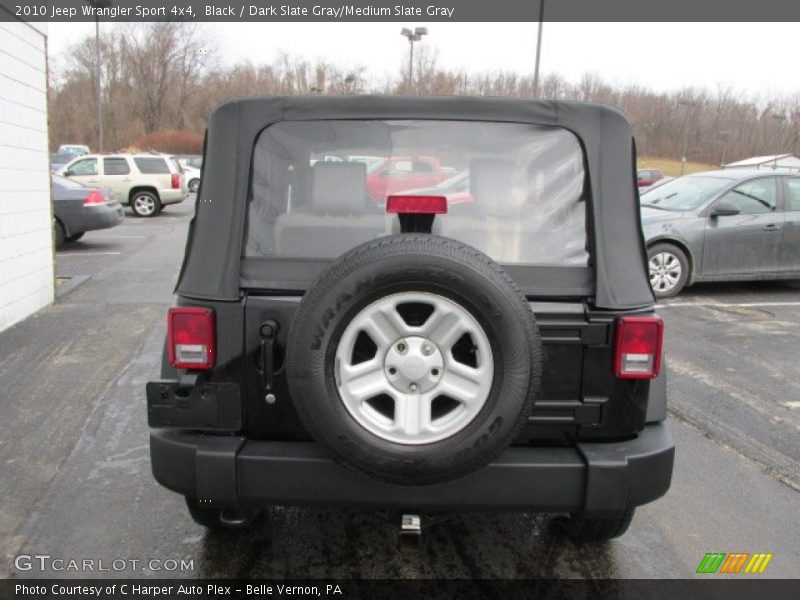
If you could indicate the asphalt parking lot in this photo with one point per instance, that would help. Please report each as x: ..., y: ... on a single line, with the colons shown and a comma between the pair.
x: 76, y: 482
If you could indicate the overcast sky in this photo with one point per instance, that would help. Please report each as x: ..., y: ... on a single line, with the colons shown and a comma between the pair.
x: 754, y: 58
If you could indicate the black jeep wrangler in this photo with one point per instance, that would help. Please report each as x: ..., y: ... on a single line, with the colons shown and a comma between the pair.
x: 414, y: 304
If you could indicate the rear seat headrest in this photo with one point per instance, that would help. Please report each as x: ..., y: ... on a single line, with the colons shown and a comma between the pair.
x: 496, y: 183
x: 339, y: 188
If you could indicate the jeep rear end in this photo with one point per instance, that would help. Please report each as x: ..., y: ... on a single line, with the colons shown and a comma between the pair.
x: 498, y: 353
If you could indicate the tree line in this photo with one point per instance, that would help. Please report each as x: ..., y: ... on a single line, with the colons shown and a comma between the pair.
x: 158, y: 76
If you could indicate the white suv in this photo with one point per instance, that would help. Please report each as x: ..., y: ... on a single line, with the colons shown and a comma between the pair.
x: 146, y: 182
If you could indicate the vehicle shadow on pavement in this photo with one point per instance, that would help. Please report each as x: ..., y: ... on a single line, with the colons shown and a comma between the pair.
x: 744, y: 291
x: 311, y: 543
x: 89, y: 244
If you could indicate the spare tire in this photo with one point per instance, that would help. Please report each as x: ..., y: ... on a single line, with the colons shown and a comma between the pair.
x: 414, y: 359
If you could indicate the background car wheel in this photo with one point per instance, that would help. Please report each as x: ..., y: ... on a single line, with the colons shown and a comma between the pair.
x: 581, y: 529
x: 414, y: 359
x: 668, y: 269
x: 194, y: 184
x: 221, y: 518
x: 145, y: 204
x: 58, y: 234
x: 75, y: 237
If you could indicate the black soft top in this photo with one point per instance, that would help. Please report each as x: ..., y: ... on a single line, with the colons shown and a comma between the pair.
x: 211, y: 267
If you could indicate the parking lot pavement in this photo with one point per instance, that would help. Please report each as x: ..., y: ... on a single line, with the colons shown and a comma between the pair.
x: 732, y: 357
x: 76, y: 483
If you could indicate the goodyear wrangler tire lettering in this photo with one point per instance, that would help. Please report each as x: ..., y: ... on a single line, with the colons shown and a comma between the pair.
x: 414, y: 359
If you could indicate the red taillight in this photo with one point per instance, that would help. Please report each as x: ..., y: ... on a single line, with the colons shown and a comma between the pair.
x: 191, y: 337
x: 420, y: 205
x: 637, y: 353
x: 94, y: 198
x: 176, y: 181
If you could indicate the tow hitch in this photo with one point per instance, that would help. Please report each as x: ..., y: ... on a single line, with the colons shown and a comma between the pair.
x: 409, y: 538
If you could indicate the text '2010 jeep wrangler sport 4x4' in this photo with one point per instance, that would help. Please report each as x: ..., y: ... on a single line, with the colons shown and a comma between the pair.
x: 406, y: 352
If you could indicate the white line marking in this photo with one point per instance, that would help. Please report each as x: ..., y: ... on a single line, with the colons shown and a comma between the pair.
x: 793, y: 404
x: 85, y: 253
x: 113, y: 237
x: 727, y: 304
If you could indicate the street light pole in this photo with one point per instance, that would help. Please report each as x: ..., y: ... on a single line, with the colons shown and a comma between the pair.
x: 98, y: 86
x: 688, y: 105
x: 413, y: 36
x: 780, y: 118
x: 99, y: 91
x: 538, y: 50
x: 723, y: 136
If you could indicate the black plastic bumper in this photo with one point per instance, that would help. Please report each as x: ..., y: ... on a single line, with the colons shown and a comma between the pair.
x: 597, y: 479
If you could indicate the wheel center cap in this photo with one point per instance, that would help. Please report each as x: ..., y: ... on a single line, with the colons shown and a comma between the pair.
x: 413, y: 365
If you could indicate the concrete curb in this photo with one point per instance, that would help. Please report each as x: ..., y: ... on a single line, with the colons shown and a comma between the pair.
x: 73, y: 284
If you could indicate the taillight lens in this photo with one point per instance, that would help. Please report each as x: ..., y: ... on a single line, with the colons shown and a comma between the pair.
x: 94, y: 198
x: 191, y: 337
x: 638, y: 347
x: 176, y: 181
x: 420, y: 205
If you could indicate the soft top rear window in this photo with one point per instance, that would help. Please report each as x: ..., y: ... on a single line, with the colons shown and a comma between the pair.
x: 514, y: 191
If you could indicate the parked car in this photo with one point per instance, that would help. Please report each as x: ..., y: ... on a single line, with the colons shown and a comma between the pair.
x: 722, y: 226
x: 191, y: 165
x: 194, y: 161
x: 398, y: 173
x: 328, y: 350
x: 647, y: 177
x: 455, y: 189
x: 76, y: 149
x: 192, y: 177
x: 59, y: 159
x: 78, y: 209
x: 145, y: 182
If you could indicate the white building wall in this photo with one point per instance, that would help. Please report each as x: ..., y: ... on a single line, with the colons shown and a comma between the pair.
x: 26, y: 225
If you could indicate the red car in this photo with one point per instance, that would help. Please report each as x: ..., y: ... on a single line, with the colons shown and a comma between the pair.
x: 647, y: 177
x: 398, y: 174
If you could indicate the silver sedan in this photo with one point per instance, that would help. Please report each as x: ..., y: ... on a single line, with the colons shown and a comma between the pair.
x: 722, y: 226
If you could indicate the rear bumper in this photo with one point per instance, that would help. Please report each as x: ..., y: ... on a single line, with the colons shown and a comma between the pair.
x: 101, y: 216
x: 172, y: 196
x: 597, y: 479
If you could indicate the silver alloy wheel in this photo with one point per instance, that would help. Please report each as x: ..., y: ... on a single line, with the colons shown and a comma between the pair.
x: 665, y: 271
x: 414, y: 389
x: 144, y: 205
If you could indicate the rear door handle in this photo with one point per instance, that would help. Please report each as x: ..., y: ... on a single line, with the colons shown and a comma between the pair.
x: 771, y: 227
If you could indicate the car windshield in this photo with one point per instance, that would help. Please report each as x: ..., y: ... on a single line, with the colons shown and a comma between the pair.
x: 522, y: 201
x: 685, y: 193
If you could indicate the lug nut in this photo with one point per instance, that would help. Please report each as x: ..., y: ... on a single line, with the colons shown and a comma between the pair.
x: 413, y: 387
x: 401, y: 347
x: 426, y: 349
x: 435, y: 372
x: 392, y: 371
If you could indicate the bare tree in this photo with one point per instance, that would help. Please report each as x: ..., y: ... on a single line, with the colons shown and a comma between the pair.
x: 156, y: 75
